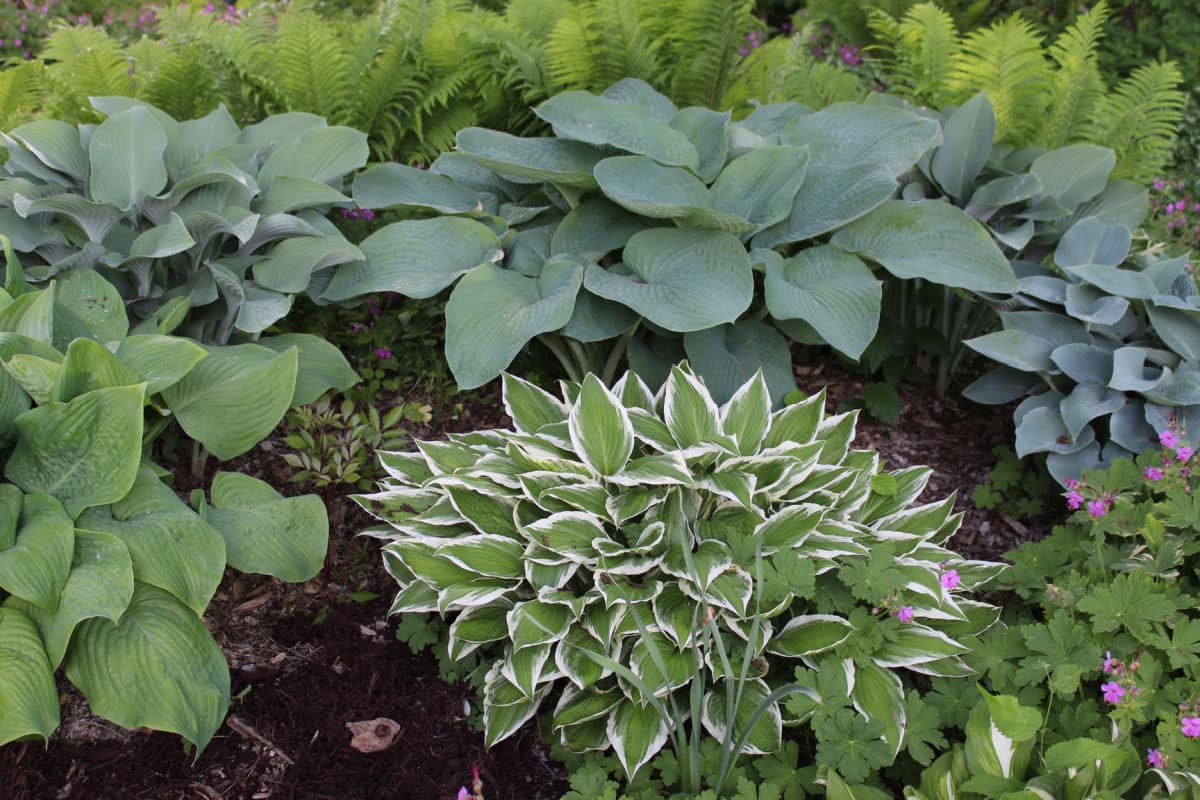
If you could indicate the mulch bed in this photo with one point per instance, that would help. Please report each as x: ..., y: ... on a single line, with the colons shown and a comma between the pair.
x: 296, y: 684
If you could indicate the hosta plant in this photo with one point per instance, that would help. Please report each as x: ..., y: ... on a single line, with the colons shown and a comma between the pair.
x: 645, y: 230
x: 634, y: 560
x: 215, y: 227
x: 104, y: 571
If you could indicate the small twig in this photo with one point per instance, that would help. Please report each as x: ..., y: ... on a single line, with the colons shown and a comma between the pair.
x: 239, y: 725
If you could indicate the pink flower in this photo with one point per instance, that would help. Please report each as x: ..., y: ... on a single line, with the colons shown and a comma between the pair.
x: 1096, y: 509
x: 1153, y: 473
x: 1168, y: 438
x: 357, y: 327
x: 1109, y: 661
x: 383, y: 352
x: 1072, y: 483
x: 950, y: 579
x: 463, y: 794
x: 1074, y: 500
x: 905, y: 614
x: 1155, y: 758
x: 1190, y: 727
x: 1184, y: 453
x: 1113, y: 692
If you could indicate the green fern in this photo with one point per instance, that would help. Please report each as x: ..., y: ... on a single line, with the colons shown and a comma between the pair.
x: 1005, y: 60
x: 783, y: 69
x: 921, y: 49
x: 702, y: 46
x: 1139, y: 119
x: 1077, y: 84
x: 83, y: 62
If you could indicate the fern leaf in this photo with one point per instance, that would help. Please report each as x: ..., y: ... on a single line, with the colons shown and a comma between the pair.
x: 1076, y: 85
x: 930, y: 44
x: 312, y: 68
x: 1005, y: 60
x: 1139, y: 119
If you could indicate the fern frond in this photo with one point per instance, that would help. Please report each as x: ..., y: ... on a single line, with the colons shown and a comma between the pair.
x: 311, y: 67
x: 183, y: 84
x: 929, y: 43
x: 1076, y: 85
x: 1005, y: 60
x: 1139, y: 119
x: 703, y: 45
x: 83, y: 62
x: 21, y: 93
x: 569, y: 58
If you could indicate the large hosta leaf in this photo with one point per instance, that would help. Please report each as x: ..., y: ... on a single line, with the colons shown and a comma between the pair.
x: 761, y: 185
x: 933, y: 240
x: 557, y: 161
x: 830, y: 197
x: 36, y: 565
x: 494, y: 312
x: 95, y: 302
x: 847, y: 134
x: 318, y: 154
x: 100, y: 585
x: 390, y: 185
x: 265, y: 532
x: 215, y: 406
x: 683, y: 280
x: 584, y: 117
x: 126, y: 154
x: 85, y: 452
x: 157, y: 668
x: 727, y: 356
x: 28, y: 697
x: 969, y: 133
x: 831, y: 290
x: 653, y: 190
x: 417, y: 258
x: 161, y: 361
x: 170, y: 545
x: 321, y: 365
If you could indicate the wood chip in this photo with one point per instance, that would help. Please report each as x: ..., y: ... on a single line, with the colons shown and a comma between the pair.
x: 250, y: 605
x: 373, y: 735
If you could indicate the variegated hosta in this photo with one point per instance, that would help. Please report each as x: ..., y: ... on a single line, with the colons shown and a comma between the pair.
x: 622, y: 527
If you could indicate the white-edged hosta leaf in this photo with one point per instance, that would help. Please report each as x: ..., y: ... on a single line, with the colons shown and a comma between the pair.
x: 809, y: 634
x: 879, y: 694
x: 530, y: 406
x: 572, y: 659
x: 486, y: 554
x: 913, y: 643
x: 721, y: 722
x: 747, y: 415
x: 578, y: 706
x: 600, y: 428
x: 265, y: 532
x: 691, y: 414
x: 534, y: 622
x: 28, y: 696
x: 157, y: 668
x: 476, y: 626
x: 505, y: 709
x: 35, y: 567
x: 637, y: 733
x: 85, y: 452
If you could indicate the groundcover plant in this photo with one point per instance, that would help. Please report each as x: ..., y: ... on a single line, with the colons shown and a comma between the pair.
x: 662, y: 568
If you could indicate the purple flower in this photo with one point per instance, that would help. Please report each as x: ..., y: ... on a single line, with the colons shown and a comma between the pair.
x: 1113, y: 692
x: 1184, y: 453
x: 1190, y: 726
x: 1159, y: 185
x: 905, y: 614
x: 950, y: 579
x: 1168, y: 438
x: 357, y: 327
x: 1072, y: 483
x: 1074, y: 500
x: 383, y: 352
x: 1096, y: 509
x: 1155, y: 758
x: 367, y: 214
x: 463, y: 794
x: 1153, y: 474
x: 1109, y: 661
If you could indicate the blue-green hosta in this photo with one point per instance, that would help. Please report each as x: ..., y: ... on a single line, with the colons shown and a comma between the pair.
x: 621, y: 549
x: 1110, y: 339
x: 647, y: 228
x: 104, y: 571
x: 199, y: 222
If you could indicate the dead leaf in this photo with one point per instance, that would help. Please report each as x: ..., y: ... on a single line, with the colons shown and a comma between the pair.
x: 373, y: 735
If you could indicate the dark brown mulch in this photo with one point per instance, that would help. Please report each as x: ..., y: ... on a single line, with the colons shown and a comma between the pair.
x: 297, y: 684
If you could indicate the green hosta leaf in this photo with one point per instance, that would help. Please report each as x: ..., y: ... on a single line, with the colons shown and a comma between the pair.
x: 397, y: 185
x: 321, y: 365
x: 721, y: 722
x: 265, y: 532
x: 170, y: 545
x: 126, y: 156
x: 831, y: 290
x: 318, y: 154
x: 1017, y: 722
x: 495, y: 312
x: 969, y: 133
x: 157, y: 668
x: 879, y: 695
x: 653, y: 190
x: 36, y: 565
x: 830, y: 197
x: 160, y: 361
x: 28, y: 696
x: 933, y: 240
x: 31, y: 315
x: 727, y: 356
x: 584, y: 117
x: 600, y: 428
x: 85, y: 452
x: 761, y: 185
x: 88, y: 366
x: 35, y: 378
x: 529, y: 406
x: 417, y: 258
x: 214, y: 407
x: 56, y: 144
x: 558, y: 161
x: 809, y: 634
x: 290, y: 265
x: 637, y: 733
x: 96, y: 303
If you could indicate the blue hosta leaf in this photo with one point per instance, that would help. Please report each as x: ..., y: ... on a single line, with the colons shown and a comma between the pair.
x: 726, y: 356
x: 585, y: 117
x: 126, y: 155
x: 550, y: 160
x: 397, y: 185
x: 1043, y: 430
x: 830, y: 197
x: 708, y: 131
x: 1074, y: 174
x: 968, y: 141
x: 1001, y: 385
x: 1086, y: 402
x: 848, y: 134
x: 1091, y: 241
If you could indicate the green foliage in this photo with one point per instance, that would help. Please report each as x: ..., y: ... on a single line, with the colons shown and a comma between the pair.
x: 653, y: 254
x: 104, y: 571
x: 651, y: 554
x: 1019, y: 489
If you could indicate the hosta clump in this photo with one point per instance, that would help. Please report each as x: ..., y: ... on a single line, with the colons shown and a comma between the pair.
x: 211, y: 226
x: 104, y: 571
x: 645, y: 230
x: 685, y: 542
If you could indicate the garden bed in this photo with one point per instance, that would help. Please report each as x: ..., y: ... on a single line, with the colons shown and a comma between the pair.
x: 297, y: 681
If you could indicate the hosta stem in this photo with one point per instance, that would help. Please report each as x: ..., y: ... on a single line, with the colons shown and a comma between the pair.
x: 554, y: 344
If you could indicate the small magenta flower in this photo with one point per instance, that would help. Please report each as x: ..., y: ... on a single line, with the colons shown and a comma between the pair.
x: 1155, y: 758
x: 1074, y: 500
x: 463, y: 794
x: 1168, y: 438
x: 1096, y: 509
x: 1184, y: 453
x: 905, y: 614
x: 1113, y: 692
x: 357, y: 327
x: 1190, y: 727
x: 950, y: 579
x: 367, y: 214
x: 383, y: 352
x: 1109, y: 661
x: 1153, y: 474
x: 1072, y: 483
